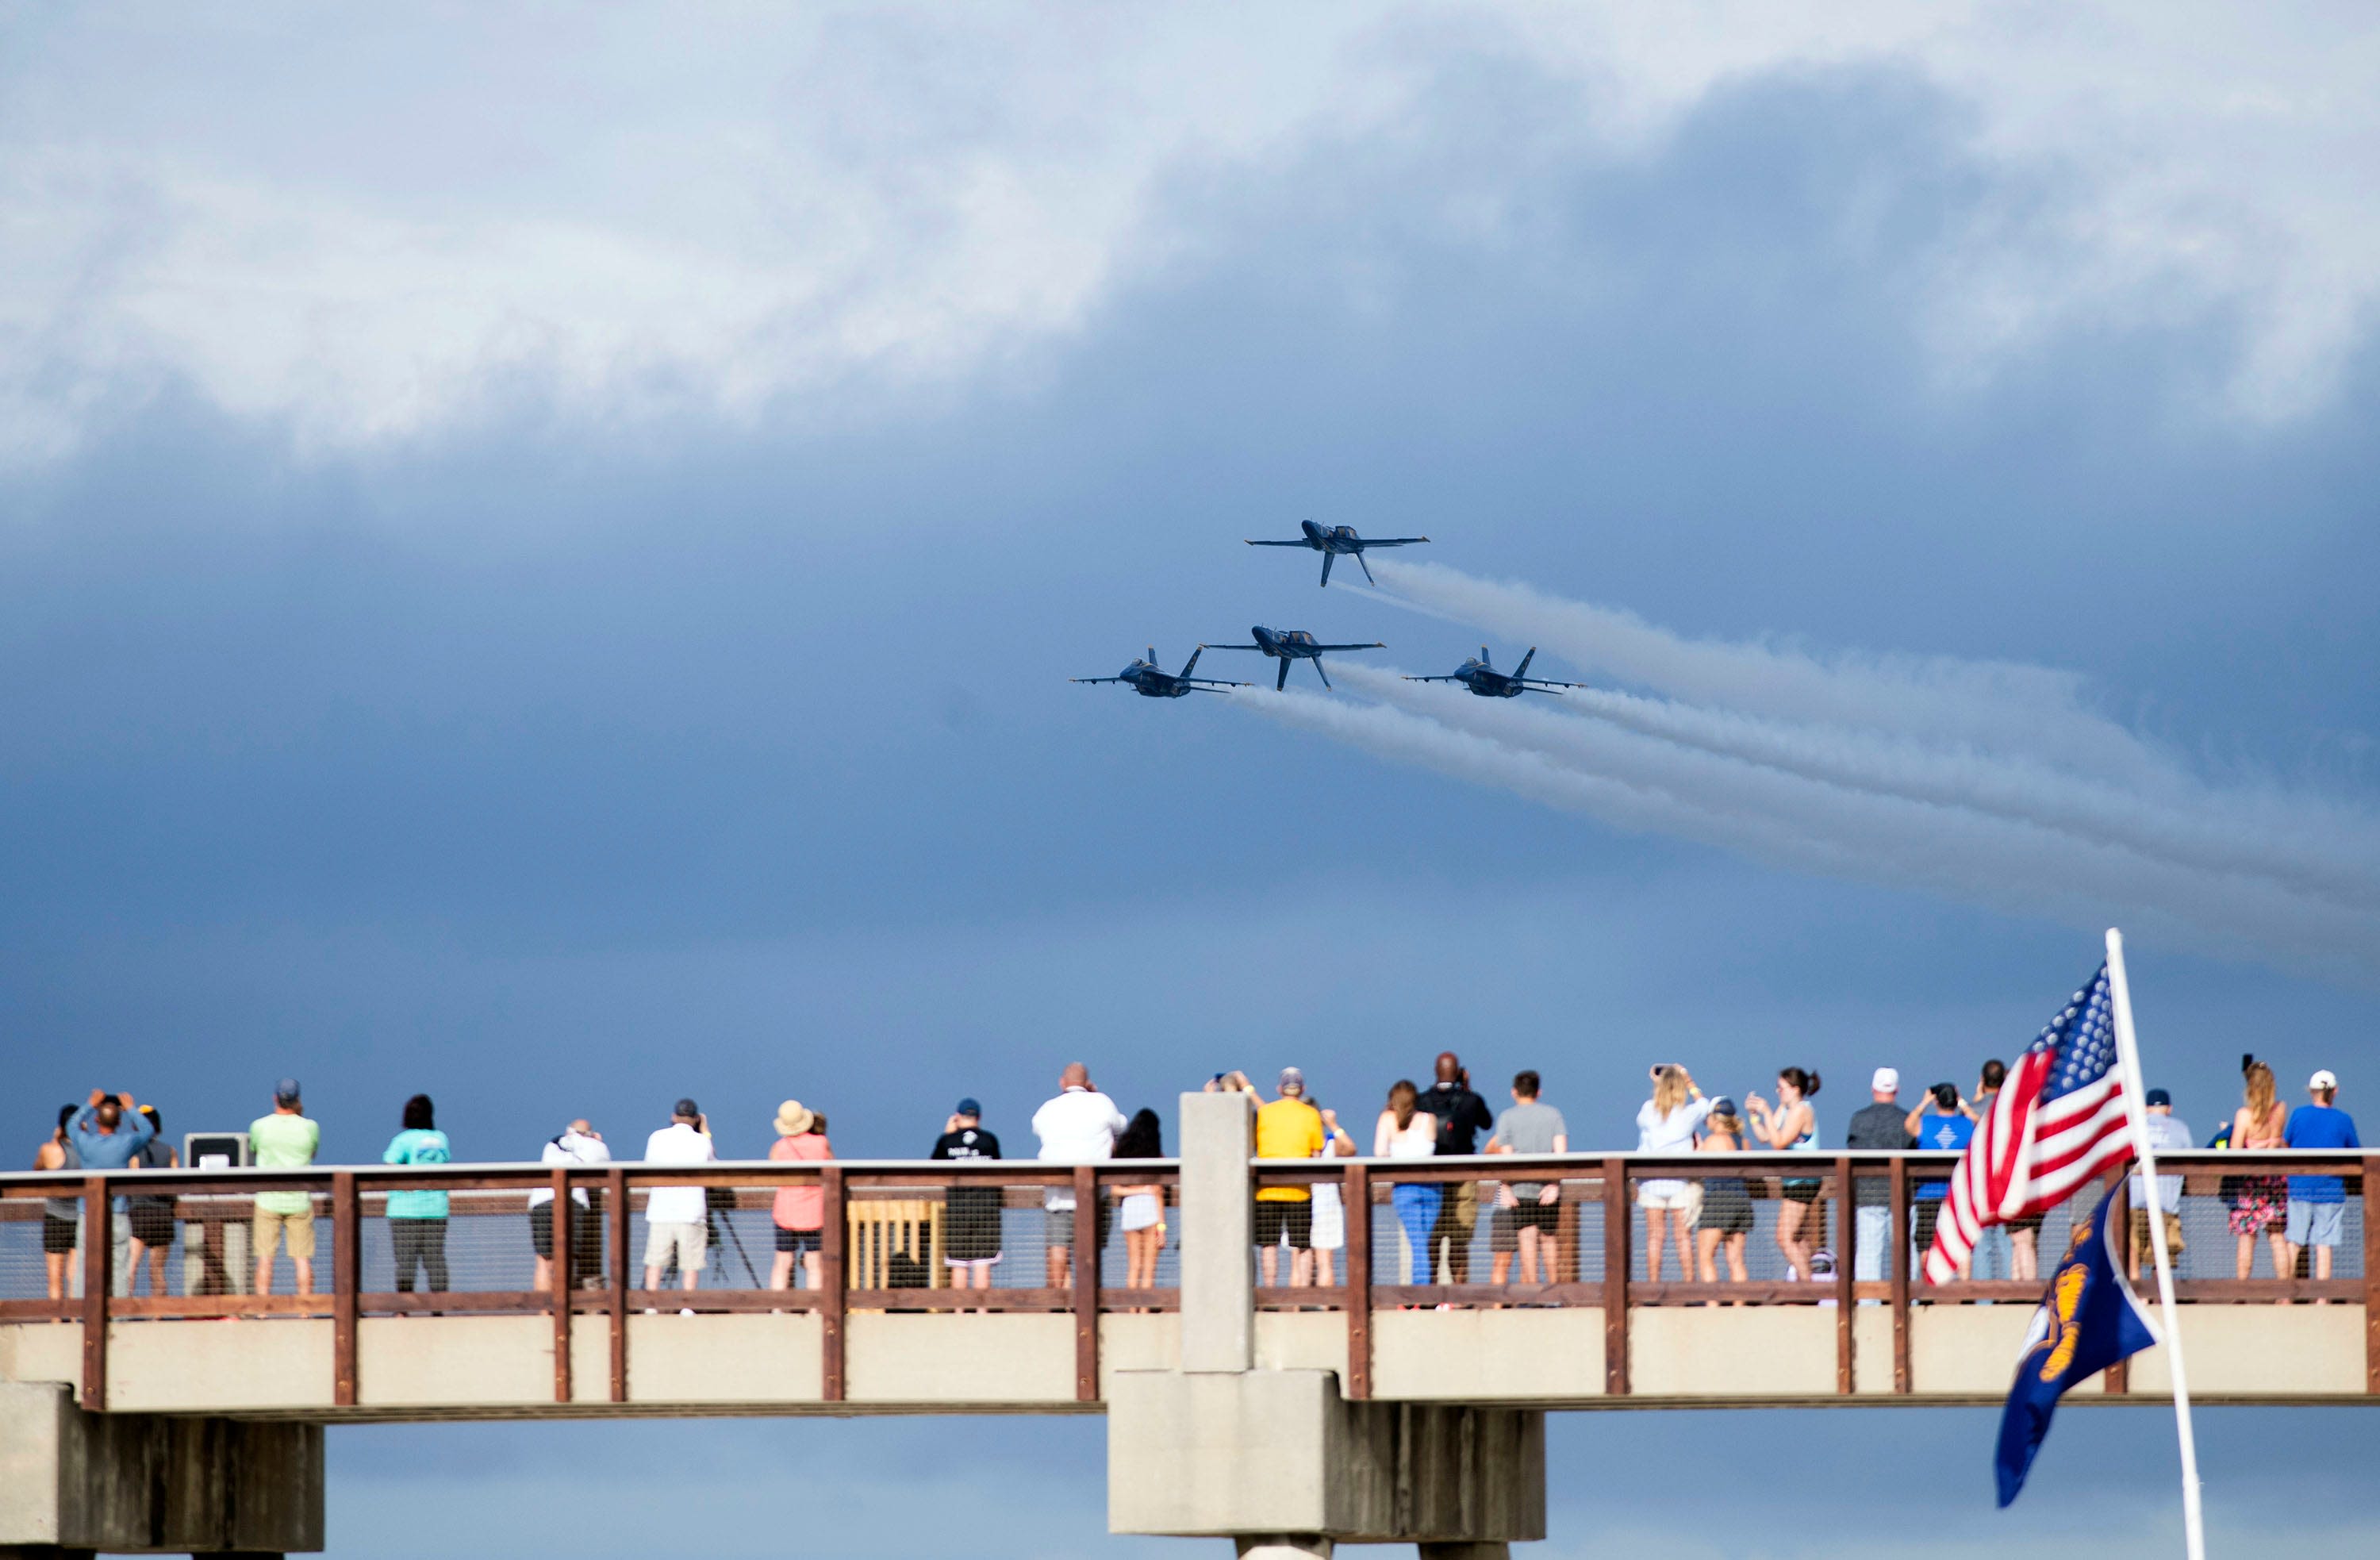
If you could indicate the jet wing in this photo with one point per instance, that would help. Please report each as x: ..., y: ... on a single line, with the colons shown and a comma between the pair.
x: 1095, y: 679
x: 1448, y: 678
x: 1318, y: 648
x: 1393, y: 541
x: 1231, y: 647
x: 1213, y: 683
x: 1301, y: 542
x: 1548, y: 683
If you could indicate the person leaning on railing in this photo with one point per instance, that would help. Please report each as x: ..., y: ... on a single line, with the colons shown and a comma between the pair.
x: 1528, y: 1213
x: 2317, y: 1203
x: 417, y: 1217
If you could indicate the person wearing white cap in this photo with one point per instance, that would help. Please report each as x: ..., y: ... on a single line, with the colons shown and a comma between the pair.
x: 2318, y: 1203
x: 1880, y: 1123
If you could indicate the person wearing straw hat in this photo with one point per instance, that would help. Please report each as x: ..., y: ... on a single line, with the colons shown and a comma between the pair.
x: 799, y: 1210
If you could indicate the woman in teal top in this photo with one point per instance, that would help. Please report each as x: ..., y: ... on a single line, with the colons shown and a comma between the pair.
x: 417, y: 1220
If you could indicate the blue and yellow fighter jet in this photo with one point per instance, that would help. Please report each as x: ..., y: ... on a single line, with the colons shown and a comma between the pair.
x: 1337, y: 542
x: 1151, y: 681
x: 1488, y: 683
x: 1286, y: 645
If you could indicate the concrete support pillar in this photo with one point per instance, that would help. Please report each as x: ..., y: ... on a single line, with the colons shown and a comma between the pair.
x: 1283, y: 1546
x: 146, y: 1483
x: 1219, y: 1271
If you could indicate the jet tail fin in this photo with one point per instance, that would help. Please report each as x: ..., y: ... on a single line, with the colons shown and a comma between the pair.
x: 1187, y: 666
x: 1327, y: 559
x: 1523, y: 669
x: 1281, y: 681
x: 1367, y: 570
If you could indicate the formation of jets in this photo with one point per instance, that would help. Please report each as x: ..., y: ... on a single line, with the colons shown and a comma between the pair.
x: 1146, y: 677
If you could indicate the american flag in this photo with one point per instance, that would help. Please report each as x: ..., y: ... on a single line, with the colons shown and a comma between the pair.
x: 2057, y: 1122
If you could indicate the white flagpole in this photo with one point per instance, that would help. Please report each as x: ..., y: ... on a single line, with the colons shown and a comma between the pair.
x: 2127, y: 1060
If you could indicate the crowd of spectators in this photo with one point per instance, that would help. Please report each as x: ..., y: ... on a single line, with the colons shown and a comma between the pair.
x: 1707, y: 1220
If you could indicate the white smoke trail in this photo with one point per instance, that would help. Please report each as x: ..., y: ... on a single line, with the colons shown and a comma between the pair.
x: 1994, y: 706
x: 2341, y: 865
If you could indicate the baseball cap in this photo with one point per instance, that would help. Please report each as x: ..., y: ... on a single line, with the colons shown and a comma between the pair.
x: 286, y: 1092
x: 1885, y: 1079
x: 2325, y: 1079
x: 2156, y: 1097
x: 687, y: 1109
x: 1292, y: 1075
x: 969, y: 1107
x: 1723, y: 1106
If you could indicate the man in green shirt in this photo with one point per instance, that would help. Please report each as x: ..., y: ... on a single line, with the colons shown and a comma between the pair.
x: 284, y: 1140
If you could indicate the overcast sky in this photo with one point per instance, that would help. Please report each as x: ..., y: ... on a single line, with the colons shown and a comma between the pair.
x: 539, y: 555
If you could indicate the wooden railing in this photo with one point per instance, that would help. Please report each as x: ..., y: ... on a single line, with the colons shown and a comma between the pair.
x: 210, y: 1203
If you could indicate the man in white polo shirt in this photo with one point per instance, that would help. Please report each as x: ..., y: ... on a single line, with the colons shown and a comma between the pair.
x: 674, y: 1216
x: 1077, y: 1128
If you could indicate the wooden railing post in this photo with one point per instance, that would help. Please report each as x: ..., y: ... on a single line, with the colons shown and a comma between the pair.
x: 2371, y: 1274
x: 1898, y: 1252
x: 1846, y: 1278
x: 616, y: 1188
x: 1615, y: 1277
x: 346, y: 1283
x: 1086, y: 1284
x: 560, y: 1268
x: 831, y: 1288
x: 98, y: 1279
x: 1358, y: 1195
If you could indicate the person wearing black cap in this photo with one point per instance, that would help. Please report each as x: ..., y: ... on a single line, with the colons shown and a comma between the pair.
x: 970, y: 1208
x: 2166, y: 1131
x: 675, y: 1217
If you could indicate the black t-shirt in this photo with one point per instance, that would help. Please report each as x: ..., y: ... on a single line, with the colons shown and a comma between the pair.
x: 1876, y: 1125
x: 1461, y: 1117
x: 967, y: 1143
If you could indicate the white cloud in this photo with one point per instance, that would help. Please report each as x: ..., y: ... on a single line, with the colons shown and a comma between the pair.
x: 368, y: 226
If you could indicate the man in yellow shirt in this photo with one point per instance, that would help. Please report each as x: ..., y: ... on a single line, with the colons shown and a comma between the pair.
x: 1287, y: 1129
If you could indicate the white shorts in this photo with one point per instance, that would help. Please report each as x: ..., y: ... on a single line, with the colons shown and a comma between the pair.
x: 1687, y: 1195
x: 1142, y: 1210
x: 688, y: 1240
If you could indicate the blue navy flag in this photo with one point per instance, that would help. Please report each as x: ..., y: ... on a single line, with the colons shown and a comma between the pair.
x: 2089, y: 1319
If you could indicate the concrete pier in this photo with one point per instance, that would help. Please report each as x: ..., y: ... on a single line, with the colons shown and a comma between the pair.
x: 77, y: 1484
x: 1280, y: 1460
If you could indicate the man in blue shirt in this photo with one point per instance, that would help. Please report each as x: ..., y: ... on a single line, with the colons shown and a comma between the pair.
x: 2317, y: 1203
x: 110, y: 1132
x: 1946, y: 1127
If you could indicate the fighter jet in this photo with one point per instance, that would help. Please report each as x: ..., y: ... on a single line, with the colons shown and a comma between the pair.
x: 1286, y: 645
x: 1488, y: 683
x: 1150, y: 681
x: 1336, y: 542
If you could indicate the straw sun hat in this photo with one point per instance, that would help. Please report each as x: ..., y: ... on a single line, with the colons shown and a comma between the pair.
x: 793, y: 1118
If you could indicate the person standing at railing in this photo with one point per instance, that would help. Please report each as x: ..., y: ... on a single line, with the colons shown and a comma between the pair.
x: 1329, y: 1208
x: 1991, y: 1260
x: 1461, y: 1116
x: 971, y: 1233
x: 1945, y: 1125
x: 109, y: 1134
x: 1667, y: 1124
x: 2260, y: 1204
x: 1287, y: 1127
x: 1725, y: 1220
x: 1879, y: 1126
x: 1793, y: 1126
x: 2168, y: 1132
x: 417, y: 1218
x: 1406, y: 1131
x: 2318, y: 1203
x: 1528, y: 1218
x: 150, y: 1219
x: 1141, y: 1209
x: 284, y: 1140
x: 60, y: 1216
x: 675, y: 1217
x: 1078, y: 1126
x: 578, y: 1143
x: 798, y: 1211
